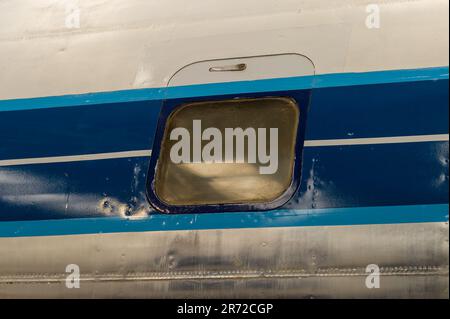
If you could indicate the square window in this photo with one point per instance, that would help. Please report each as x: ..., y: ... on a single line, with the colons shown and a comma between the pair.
x: 239, y: 151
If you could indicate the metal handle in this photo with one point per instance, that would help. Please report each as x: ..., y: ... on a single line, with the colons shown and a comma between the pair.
x: 229, y: 68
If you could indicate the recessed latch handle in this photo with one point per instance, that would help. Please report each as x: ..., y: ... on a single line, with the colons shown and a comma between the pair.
x: 229, y: 68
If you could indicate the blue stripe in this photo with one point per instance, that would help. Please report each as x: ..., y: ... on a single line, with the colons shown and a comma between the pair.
x: 283, y: 84
x: 394, y: 76
x: 282, y: 218
x: 363, y: 111
x: 333, y: 177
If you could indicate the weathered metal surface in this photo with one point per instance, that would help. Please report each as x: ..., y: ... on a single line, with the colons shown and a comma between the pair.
x: 362, y: 151
x: 139, y: 44
x: 311, y: 262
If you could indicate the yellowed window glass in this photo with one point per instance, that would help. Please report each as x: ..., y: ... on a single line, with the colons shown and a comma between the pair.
x: 228, y: 152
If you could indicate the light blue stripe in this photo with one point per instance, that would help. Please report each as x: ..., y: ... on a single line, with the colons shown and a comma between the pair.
x: 258, y: 86
x: 395, y: 76
x: 283, y: 84
x: 281, y: 218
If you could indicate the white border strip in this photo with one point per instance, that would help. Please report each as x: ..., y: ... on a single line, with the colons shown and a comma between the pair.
x: 75, y: 158
x: 379, y: 140
x: 147, y: 153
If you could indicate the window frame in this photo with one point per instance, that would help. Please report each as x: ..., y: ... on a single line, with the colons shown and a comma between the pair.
x: 301, y: 98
